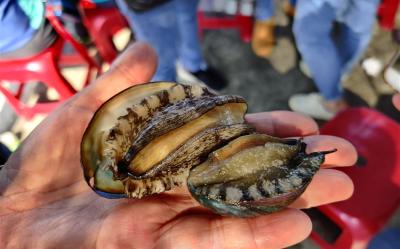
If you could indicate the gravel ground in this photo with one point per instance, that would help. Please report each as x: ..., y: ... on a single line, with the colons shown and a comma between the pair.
x: 265, y: 88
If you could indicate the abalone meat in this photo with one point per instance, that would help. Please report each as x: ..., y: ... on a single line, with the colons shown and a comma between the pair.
x: 152, y: 137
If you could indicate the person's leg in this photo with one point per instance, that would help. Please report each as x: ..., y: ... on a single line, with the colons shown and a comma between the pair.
x: 348, y: 45
x: 4, y: 154
x: 264, y: 10
x: 312, y: 30
x: 189, y: 49
x: 387, y: 239
x: 44, y: 37
x: 355, y: 32
x: 263, y: 39
x: 158, y: 27
x: 24, y: 30
x: 193, y: 68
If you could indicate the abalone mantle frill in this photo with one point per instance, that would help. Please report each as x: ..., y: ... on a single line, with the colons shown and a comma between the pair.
x: 152, y: 137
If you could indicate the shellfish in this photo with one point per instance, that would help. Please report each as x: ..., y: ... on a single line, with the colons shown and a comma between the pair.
x: 152, y: 137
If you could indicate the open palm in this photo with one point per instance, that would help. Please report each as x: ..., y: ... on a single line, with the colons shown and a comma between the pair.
x: 45, y: 202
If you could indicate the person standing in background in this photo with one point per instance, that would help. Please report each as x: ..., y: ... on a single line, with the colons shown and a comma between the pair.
x: 170, y: 27
x: 331, y: 36
x: 24, y: 29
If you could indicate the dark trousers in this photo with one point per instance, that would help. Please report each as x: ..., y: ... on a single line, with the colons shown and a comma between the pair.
x: 4, y: 154
x: 44, y: 38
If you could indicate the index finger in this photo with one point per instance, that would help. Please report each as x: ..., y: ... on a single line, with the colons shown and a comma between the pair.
x: 283, y: 123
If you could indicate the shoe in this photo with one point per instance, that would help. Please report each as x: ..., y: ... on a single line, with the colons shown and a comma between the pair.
x: 208, y: 77
x: 310, y: 104
x: 263, y: 39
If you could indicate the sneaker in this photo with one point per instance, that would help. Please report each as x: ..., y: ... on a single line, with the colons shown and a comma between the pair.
x: 208, y: 77
x: 310, y: 104
x: 263, y: 39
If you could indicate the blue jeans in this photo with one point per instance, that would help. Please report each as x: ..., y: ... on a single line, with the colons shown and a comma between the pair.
x: 331, y: 55
x: 388, y: 239
x: 265, y: 9
x: 171, y: 29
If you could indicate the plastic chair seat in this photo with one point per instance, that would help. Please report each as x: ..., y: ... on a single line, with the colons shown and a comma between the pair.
x: 376, y: 177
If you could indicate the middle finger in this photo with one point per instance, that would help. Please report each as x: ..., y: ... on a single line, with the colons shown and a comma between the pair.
x: 346, y: 154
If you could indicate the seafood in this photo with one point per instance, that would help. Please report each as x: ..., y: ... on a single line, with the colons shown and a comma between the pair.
x: 152, y: 137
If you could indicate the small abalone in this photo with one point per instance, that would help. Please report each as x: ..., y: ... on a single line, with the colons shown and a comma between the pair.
x: 154, y: 136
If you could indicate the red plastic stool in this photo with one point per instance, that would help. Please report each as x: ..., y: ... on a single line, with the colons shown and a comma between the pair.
x: 376, y: 177
x: 43, y: 67
x: 238, y: 21
x: 102, y: 25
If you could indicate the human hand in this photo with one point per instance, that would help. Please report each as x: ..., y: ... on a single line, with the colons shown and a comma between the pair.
x: 396, y: 101
x: 46, y: 203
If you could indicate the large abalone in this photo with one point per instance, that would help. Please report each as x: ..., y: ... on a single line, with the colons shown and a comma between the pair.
x: 151, y: 137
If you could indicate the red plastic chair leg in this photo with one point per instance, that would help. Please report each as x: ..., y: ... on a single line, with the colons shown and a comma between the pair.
x: 102, y: 24
x: 68, y: 37
x: 246, y: 28
x: 52, y: 77
x: 20, y: 90
x: 15, y: 104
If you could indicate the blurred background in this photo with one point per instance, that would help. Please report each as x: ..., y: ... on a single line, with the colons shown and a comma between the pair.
x: 337, y: 61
